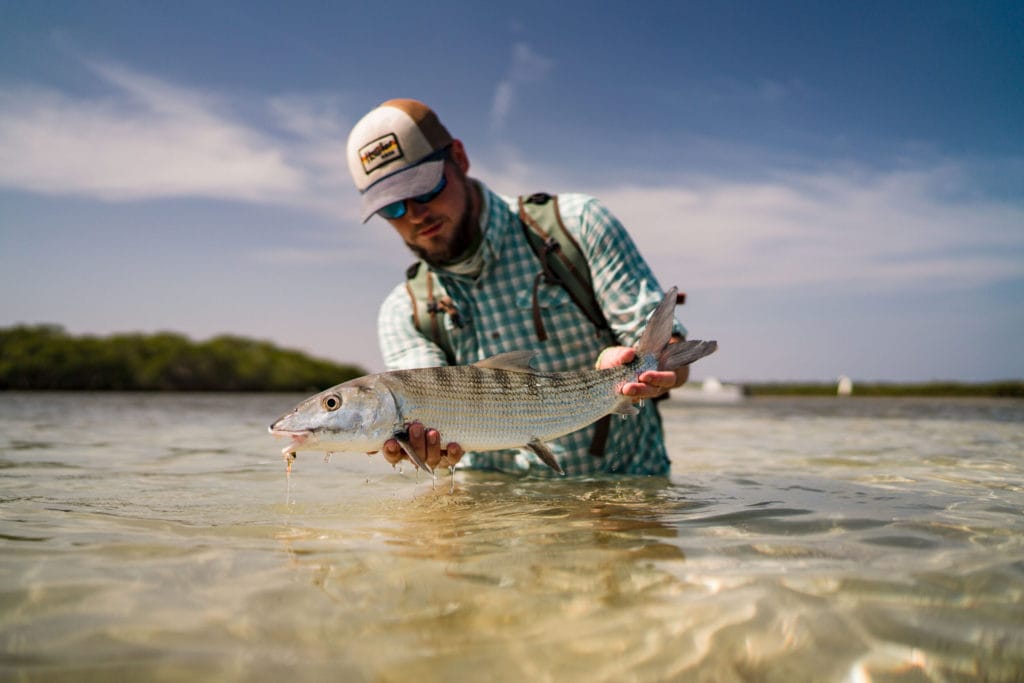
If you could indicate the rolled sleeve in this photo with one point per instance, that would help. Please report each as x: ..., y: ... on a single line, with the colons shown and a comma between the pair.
x: 401, y: 344
x: 625, y: 286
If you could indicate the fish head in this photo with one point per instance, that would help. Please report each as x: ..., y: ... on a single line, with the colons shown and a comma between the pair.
x: 359, y: 415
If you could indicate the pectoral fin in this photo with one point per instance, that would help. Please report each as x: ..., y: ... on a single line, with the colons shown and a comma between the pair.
x: 544, y: 453
x: 403, y: 440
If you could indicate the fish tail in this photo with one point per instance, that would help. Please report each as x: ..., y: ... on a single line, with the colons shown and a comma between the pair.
x: 654, y: 341
x: 685, y: 352
x: 658, y: 332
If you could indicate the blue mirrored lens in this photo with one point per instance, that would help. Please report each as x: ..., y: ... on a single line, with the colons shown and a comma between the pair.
x: 393, y: 210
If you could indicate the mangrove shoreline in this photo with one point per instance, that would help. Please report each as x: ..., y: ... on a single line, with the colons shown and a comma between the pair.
x: 46, y: 357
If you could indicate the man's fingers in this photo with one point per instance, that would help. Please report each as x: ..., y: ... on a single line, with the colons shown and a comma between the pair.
x: 615, y: 355
x: 662, y: 379
x: 433, y: 448
x: 452, y: 455
x: 426, y: 443
x: 643, y: 390
x: 393, y: 452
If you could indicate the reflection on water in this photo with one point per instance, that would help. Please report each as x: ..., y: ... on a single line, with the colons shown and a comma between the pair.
x: 156, y: 537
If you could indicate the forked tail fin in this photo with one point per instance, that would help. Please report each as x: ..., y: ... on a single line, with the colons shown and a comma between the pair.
x: 685, y: 352
x: 654, y: 341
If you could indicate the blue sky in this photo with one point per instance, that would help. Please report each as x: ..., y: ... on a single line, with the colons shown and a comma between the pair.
x: 839, y: 187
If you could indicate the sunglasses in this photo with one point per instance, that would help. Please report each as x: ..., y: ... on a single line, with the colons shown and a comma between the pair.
x: 397, y: 209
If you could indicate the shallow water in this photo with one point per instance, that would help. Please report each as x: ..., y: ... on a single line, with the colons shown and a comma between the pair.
x: 156, y: 537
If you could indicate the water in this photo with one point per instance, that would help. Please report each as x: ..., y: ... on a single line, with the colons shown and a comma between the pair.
x: 156, y: 537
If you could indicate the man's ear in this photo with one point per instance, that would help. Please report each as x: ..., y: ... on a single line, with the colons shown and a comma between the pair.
x: 458, y: 155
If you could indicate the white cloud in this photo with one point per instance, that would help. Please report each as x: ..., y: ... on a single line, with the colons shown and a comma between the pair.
x: 872, y: 231
x: 319, y: 131
x: 149, y: 139
x: 310, y: 117
x: 838, y: 226
x: 503, y: 94
x: 527, y: 67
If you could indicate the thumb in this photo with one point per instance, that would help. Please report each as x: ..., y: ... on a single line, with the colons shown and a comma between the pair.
x: 614, y: 356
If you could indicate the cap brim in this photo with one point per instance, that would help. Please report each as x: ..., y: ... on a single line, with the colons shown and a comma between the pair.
x: 417, y: 180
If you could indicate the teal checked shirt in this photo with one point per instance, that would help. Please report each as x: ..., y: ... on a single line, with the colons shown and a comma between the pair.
x: 496, y: 312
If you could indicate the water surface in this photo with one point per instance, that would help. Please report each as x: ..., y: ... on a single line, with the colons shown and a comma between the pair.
x: 156, y: 537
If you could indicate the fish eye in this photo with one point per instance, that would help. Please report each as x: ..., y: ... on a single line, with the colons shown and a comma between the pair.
x: 331, y: 402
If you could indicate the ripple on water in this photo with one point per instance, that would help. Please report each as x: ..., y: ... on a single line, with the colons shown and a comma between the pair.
x: 823, y: 540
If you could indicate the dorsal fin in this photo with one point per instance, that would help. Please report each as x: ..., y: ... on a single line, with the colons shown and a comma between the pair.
x: 513, y: 361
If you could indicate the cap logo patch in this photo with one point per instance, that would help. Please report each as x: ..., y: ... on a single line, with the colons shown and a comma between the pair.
x: 380, y: 152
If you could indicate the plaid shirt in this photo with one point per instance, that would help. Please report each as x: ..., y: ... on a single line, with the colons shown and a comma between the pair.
x: 496, y: 309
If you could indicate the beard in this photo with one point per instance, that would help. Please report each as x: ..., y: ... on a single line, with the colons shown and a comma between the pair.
x: 465, y: 240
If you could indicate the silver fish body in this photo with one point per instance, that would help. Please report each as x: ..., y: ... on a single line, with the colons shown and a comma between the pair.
x: 498, y: 403
x: 490, y: 408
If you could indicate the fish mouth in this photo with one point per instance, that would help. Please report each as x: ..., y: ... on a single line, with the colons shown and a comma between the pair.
x: 298, y: 438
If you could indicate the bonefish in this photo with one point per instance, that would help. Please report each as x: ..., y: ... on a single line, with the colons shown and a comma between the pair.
x: 500, y: 402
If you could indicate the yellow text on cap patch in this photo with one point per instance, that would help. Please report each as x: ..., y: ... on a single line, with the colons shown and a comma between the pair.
x: 381, y: 151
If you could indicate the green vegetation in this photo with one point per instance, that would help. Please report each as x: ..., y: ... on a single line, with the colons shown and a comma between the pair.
x: 46, y: 357
x: 1004, y: 389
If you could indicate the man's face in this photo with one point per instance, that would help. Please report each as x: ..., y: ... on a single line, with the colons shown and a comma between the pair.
x: 443, y: 229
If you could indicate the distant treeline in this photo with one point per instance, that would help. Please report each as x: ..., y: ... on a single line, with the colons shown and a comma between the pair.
x: 46, y: 357
x: 1003, y: 389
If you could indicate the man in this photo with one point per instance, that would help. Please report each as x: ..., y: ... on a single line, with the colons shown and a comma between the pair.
x: 412, y: 173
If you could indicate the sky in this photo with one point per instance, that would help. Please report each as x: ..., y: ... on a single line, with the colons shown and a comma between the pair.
x: 837, y: 186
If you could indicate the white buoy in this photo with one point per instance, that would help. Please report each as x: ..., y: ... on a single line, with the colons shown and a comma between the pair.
x: 712, y: 385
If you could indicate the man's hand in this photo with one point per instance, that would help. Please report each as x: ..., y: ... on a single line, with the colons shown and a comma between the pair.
x: 426, y: 443
x: 650, y: 384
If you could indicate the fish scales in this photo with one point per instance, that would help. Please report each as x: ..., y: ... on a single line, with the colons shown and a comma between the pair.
x: 495, y: 408
x: 497, y: 403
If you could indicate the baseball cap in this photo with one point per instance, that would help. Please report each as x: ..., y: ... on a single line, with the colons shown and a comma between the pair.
x: 389, y: 153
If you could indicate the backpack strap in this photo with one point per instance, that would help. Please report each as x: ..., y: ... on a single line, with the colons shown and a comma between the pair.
x: 564, y: 264
x: 562, y: 260
x: 429, y: 301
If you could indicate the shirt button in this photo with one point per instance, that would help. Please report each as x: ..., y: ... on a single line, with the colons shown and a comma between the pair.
x: 495, y: 335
